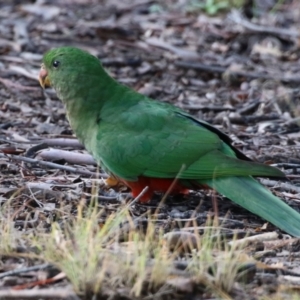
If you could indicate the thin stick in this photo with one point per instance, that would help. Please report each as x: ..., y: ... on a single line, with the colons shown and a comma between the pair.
x: 53, y: 293
x: 52, y: 165
x: 24, y: 270
x: 139, y: 196
x: 237, y: 17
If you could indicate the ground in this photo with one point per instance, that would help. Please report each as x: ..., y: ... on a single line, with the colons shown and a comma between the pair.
x: 237, y: 69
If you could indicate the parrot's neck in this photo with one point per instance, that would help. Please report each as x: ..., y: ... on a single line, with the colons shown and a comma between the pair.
x: 87, y: 99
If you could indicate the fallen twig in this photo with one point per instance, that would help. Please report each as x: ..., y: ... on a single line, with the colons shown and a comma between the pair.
x: 268, y: 236
x: 221, y: 70
x: 24, y: 270
x: 42, y: 282
x: 237, y: 17
x: 51, y: 154
x: 282, y: 185
x: 58, y: 142
x: 35, y: 294
x: 182, y: 53
x: 61, y: 142
x: 52, y: 165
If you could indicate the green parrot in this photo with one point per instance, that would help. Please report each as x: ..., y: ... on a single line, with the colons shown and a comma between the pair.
x: 142, y: 142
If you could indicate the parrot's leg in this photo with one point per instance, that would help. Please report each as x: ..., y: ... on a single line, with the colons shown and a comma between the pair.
x: 154, y: 185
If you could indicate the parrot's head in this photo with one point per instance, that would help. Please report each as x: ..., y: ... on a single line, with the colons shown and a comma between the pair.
x: 67, y: 66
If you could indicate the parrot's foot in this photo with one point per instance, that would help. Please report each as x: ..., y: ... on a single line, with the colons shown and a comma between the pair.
x: 111, y: 181
x: 162, y: 185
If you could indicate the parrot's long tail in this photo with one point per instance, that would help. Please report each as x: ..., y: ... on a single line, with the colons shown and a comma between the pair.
x: 250, y: 194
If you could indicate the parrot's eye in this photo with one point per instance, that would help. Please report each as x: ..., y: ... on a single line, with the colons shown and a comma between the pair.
x: 56, y: 64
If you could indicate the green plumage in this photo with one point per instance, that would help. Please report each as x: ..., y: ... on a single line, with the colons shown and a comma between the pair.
x: 132, y: 135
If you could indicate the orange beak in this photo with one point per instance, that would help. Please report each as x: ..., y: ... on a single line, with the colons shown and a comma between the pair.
x: 43, y: 77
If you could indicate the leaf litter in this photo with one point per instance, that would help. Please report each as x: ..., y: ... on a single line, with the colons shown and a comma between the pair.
x: 237, y: 72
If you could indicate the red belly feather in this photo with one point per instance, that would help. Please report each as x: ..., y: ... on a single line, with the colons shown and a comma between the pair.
x: 161, y: 185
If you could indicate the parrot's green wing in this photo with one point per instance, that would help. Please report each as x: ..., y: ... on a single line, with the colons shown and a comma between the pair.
x: 142, y: 142
x: 151, y: 148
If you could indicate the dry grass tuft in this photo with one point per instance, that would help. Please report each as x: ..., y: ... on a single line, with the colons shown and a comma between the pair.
x: 119, y: 257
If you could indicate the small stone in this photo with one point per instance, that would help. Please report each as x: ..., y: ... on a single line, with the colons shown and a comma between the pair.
x: 210, y: 96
